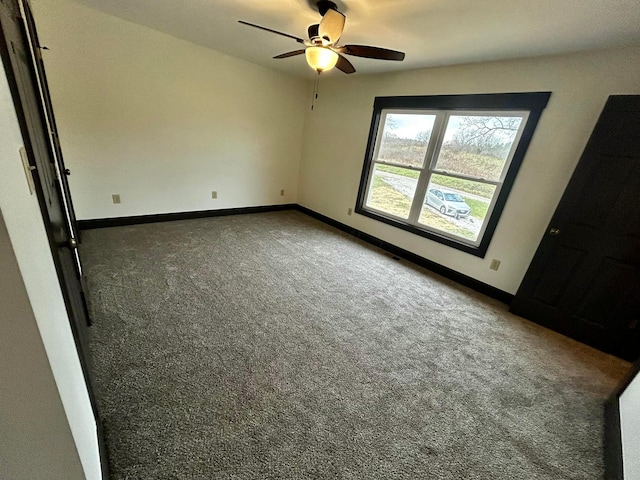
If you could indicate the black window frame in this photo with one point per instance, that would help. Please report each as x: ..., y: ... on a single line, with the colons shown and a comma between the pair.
x: 532, y: 102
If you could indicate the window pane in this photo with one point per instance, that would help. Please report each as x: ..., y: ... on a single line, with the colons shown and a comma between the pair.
x: 392, y: 190
x: 455, y: 206
x: 405, y: 138
x: 477, y: 146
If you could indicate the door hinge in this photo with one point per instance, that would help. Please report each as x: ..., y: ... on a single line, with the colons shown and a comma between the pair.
x: 28, y: 169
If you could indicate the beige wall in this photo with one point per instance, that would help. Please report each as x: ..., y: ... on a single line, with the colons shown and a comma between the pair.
x: 163, y: 122
x: 32, y: 412
x: 630, y: 426
x: 36, y: 441
x: 336, y: 136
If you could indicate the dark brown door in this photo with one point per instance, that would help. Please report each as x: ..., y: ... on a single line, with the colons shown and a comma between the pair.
x: 31, y: 111
x: 31, y: 101
x: 584, y: 280
x: 54, y: 142
x: 51, y: 126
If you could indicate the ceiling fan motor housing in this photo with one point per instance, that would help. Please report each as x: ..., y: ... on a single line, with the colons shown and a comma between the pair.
x: 324, y: 5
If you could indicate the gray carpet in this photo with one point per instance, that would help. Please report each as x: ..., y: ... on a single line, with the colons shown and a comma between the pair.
x: 271, y: 346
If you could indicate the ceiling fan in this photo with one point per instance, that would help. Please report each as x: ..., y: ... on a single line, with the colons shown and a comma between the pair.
x: 322, y: 50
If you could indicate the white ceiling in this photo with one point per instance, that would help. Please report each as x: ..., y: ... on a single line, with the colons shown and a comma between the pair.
x: 431, y: 32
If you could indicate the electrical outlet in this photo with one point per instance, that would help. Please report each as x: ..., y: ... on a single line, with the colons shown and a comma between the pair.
x: 495, y: 264
x: 282, y: 192
x: 214, y: 194
x: 349, y: 211
x: 116, y: 198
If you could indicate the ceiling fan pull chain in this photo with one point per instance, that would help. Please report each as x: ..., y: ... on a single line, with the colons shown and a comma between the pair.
x: 316, y: 84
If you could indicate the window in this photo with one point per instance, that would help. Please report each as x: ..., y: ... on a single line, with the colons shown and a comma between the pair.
x: 442, y: 166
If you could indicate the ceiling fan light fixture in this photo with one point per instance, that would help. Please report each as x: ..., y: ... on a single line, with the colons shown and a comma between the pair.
x: 321, y: 59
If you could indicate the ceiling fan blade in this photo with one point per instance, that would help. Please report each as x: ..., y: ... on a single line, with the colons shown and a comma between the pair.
x: 331, y: 26
x: 297, y: 39
x: 344, y: 65
x: 290, y: 54
x: 371, y: 52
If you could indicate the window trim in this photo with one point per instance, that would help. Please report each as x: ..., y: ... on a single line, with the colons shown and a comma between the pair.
x: 531, y: 102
